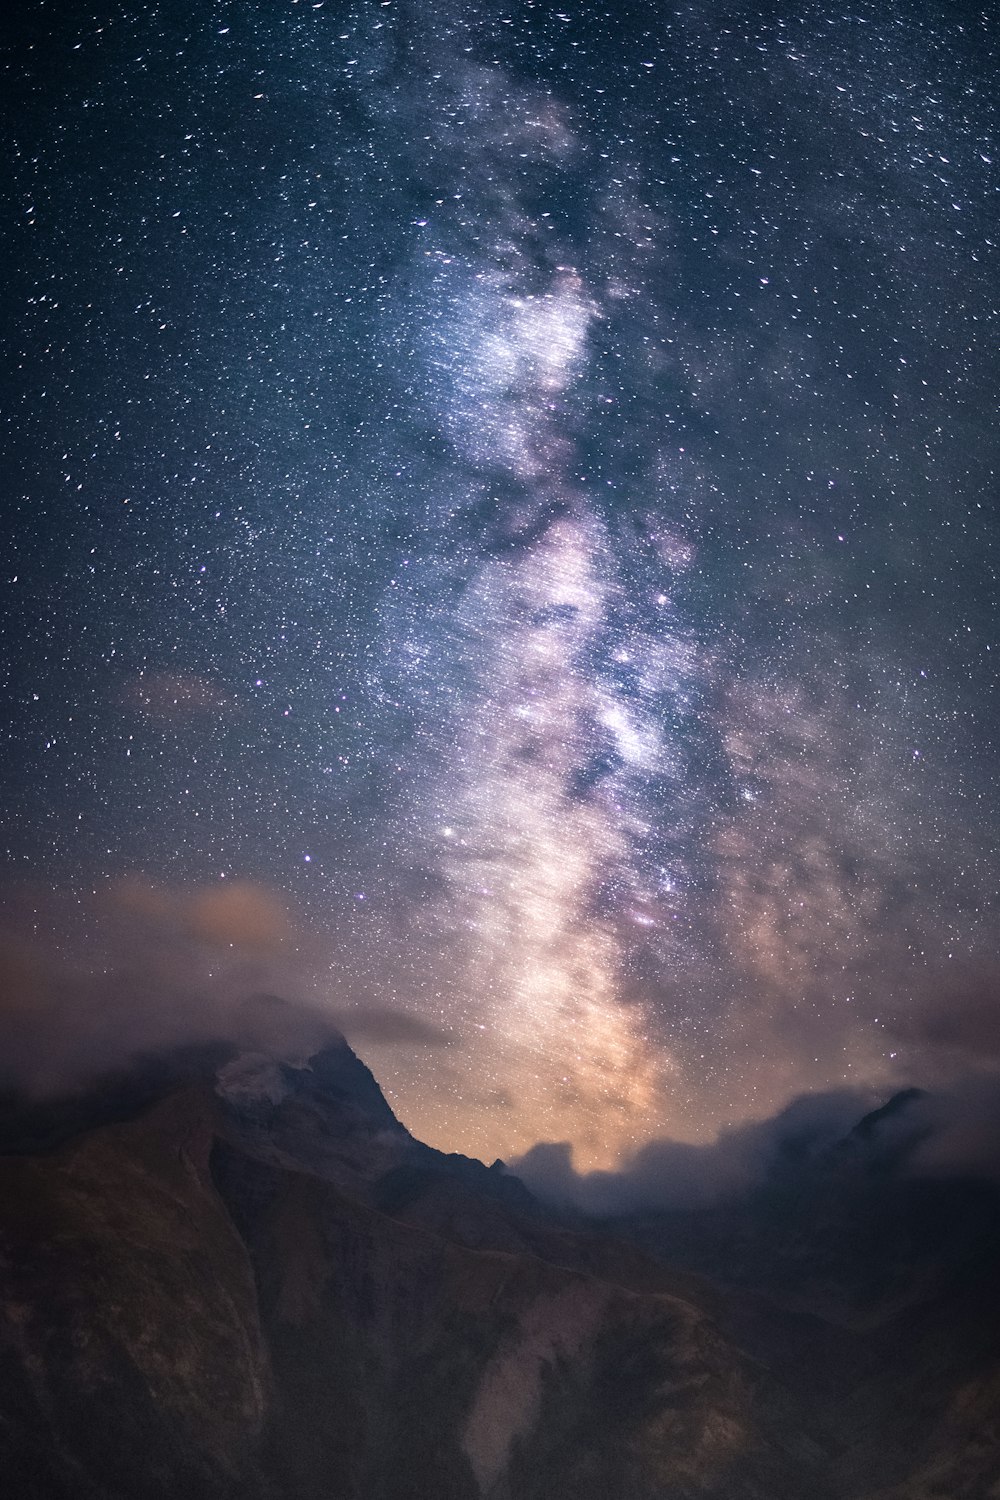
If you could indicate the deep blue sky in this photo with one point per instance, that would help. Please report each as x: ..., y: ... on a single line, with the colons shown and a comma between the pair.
x: 517, y: 489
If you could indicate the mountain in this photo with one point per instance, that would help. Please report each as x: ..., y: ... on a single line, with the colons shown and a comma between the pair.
x: 875, y: 1285
x: 852, y: 1232
x: 223, y: 1275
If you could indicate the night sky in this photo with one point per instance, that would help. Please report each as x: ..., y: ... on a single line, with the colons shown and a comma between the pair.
x: 500, y: 542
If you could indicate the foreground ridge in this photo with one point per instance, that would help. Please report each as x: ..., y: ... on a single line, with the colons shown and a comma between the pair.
x: 230, y: 1276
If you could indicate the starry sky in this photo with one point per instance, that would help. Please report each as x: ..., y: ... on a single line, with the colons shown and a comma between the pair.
x: 500, y: 543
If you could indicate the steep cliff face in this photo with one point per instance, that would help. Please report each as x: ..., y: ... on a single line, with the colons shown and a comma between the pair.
x: 416, y: 1367
x: 132, y: 1357
x: 259, y: 1284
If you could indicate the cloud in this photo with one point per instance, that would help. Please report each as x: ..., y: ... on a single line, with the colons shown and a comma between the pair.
x: 156, y: 968
x: 961, y: 1129
x: 676, y: 1174
x: 228, y: 914
x: 238, y: 914
x: 959, y: 1021
x: 385, y: 1026
x: 950, y: 1132
x: 60, y: 1029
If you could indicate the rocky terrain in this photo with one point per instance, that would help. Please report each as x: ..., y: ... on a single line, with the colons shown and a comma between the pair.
x: 222, y: 1275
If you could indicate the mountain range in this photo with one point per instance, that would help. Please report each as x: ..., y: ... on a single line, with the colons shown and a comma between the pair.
x: 225, y: 1275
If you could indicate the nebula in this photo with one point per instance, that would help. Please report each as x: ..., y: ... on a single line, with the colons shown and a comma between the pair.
x: 514, y: 485
x: 543, y: 687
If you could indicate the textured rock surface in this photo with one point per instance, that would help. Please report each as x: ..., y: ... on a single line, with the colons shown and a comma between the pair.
x: 263, y: 1286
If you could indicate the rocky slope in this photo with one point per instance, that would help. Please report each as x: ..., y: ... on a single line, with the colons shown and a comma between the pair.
x: 881, y: 1286
x: 225, y: 1276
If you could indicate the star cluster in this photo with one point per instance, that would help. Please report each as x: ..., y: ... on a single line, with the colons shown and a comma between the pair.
x: 520, y: 485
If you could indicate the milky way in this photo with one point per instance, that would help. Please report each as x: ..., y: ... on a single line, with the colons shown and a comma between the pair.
x: 551, y: 823
x: 517, y: 488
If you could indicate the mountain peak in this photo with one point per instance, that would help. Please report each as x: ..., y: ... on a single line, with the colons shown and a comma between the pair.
x: 341, y: 1076
x: 869, y: 1124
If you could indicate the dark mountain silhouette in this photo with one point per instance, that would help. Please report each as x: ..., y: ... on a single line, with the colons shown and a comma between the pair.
x: 225, y: 1276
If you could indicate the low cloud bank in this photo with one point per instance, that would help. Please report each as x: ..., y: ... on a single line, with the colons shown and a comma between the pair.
x: 60, y: 1030
x: 949, y: 1132
x: 158, y: 968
